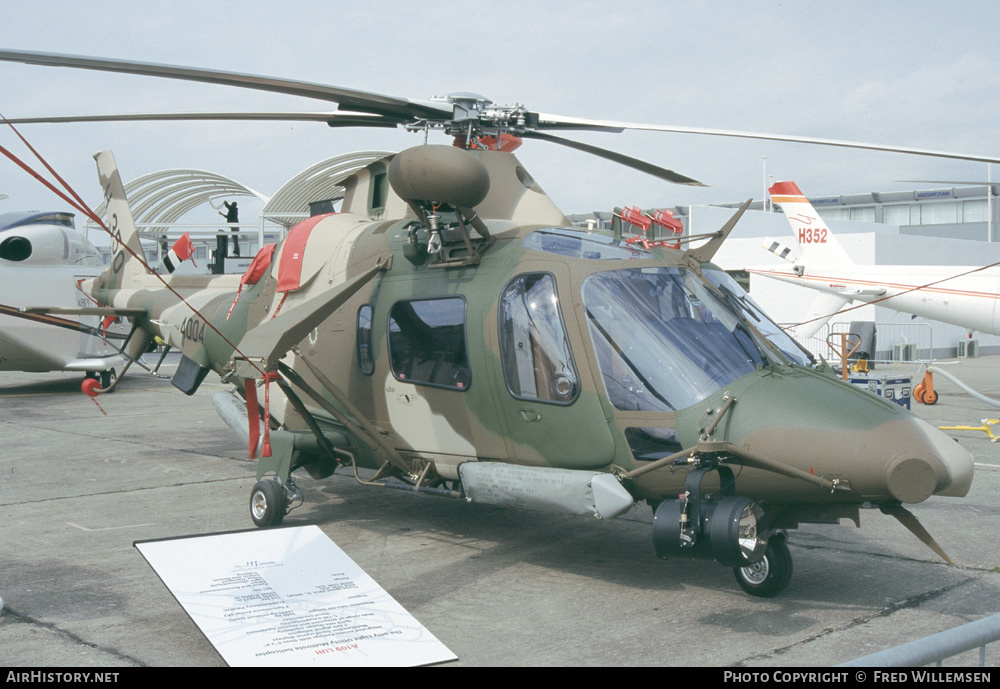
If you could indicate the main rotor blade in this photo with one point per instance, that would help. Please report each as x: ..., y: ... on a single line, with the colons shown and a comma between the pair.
x: 628, y: 161
x: 348, y: 99
x: 334, y: 119
x: 547, y: 120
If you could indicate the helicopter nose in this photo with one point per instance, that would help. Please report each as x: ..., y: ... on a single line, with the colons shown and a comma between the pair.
x: 927, y: 462
x: 883, y: 451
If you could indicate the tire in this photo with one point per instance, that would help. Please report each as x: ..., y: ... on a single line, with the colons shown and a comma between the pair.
x: 769, y: 576
x: 267, y: 503
x: 108, y: 378
x: 918, y: 393
x: 930, y: 397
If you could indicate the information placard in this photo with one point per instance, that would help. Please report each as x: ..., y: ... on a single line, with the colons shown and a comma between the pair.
x: 288, y: 597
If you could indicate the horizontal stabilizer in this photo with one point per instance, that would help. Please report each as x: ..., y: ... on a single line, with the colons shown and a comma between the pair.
x: 779, y: 250
x: 103, y: 311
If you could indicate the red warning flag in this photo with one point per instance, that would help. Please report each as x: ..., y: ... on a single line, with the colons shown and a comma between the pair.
x: 184, y: 247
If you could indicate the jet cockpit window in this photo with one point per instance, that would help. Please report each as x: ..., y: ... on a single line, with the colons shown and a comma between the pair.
x: 582, y: 244
x: 537, y: 362
x: 664, y: 340
x: 427, y: 342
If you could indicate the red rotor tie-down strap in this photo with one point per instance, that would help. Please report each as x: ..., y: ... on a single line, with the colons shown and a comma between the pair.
x: 253, y: 413
x: 265, y: 448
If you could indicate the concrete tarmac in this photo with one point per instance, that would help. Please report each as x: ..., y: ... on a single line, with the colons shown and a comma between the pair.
x: 498, y: 586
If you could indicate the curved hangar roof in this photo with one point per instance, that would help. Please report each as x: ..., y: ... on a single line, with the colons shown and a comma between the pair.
x: 321, y: 182
x: 165, y: 196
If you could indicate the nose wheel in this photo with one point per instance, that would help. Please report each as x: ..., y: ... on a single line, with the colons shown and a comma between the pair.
x: 268, y: 503
x: 771, y: 574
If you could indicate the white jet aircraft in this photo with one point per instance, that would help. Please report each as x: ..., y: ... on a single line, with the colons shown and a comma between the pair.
x: 966, y: 296
x: 42, y: 261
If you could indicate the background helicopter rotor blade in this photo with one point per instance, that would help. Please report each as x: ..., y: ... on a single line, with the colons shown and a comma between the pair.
x: 347, y: 99
x: 333, y: 119
x: 546, y: 120
x: 628, y: 161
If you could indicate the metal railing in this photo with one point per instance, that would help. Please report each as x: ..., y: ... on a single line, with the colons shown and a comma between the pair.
x: 936, y: 647
x: 894, y: 342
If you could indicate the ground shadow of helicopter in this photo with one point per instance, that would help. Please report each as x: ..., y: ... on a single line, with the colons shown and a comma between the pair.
x: 451, y: 330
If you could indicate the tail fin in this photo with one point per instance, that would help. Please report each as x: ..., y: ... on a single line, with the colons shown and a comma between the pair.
x: 818, y: 248
x: 125, y: 267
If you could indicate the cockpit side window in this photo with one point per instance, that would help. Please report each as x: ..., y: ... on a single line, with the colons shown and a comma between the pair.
x: 427, y: 342
x: 537, y: 361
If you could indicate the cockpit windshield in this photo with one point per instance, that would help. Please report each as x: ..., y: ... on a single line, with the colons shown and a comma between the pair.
x: 741, y: 301
x: 664, y: 339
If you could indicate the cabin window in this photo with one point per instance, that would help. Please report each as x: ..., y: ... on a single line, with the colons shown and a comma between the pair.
x: 365, y: 361
x: 427, y: 342
x: 537, y: 362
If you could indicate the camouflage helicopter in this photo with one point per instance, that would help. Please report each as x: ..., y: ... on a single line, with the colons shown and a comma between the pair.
x: 450, y: 330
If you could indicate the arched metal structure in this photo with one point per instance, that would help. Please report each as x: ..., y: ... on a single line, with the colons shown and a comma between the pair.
x: 162, y: 198
x: 165, y: 196
x: 319, y: 182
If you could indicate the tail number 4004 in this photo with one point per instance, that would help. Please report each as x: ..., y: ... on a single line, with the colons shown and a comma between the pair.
x: 193, y: 329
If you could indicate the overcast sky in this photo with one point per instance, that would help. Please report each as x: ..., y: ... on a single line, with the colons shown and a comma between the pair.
x: 915, y: 73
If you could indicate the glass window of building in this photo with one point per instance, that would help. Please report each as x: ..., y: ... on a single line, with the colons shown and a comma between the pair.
x: 974, y: 210
x: 896, y: 215
x: 863, y: 213
x: 939, y: 213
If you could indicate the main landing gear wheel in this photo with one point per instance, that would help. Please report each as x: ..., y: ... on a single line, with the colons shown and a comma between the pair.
x: 770, y: 575
x: 267, y: 503
x: 108, y: 378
